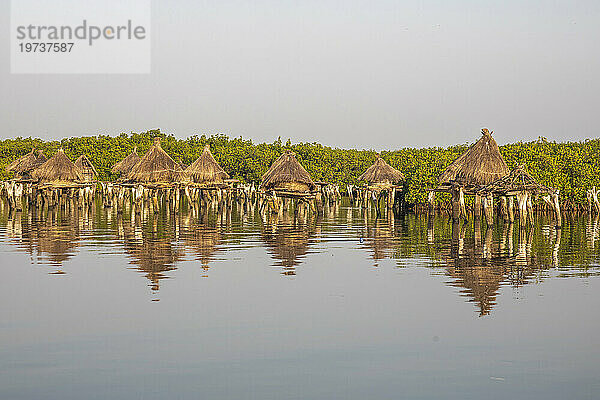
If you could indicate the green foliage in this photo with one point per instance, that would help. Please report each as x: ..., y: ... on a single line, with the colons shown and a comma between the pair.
x: 571, y: 167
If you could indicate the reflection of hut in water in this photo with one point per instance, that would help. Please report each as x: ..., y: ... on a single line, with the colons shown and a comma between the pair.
x: 151, y: 250
x: 23, y: 166
x: 88, y: 172
x: 156, y: 166
x: 480, y: 266
x: 206, y: 170
x: 287, y: 174
x: 51, y: 240
x: 379, y: 239
x: 287, y: 243
x: 125, y: 166
x: 204, y: 242
x: 58, y: 170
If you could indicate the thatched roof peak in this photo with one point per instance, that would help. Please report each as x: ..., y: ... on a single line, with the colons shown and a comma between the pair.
x: 58, y: 169
x: 206, y: 169
x: 480, y: 165
x: 155, y: 166
x: 381, y: 172
x: 84, y: 163
x: 27, y: 163
x: 286, y: 169
x: 124, y: 166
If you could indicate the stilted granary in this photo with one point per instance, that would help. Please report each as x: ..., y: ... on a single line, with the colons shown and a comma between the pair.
x: 480, y: 165
x: 481, y: 171
x: 156, y: 175
x: 205, y: 180
x: 382, y: 182
x: 60, y: 182
x: 287, y: 179
x: 22, y: 167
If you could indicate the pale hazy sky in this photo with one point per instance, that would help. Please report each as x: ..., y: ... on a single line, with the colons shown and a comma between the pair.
x: 364, y: 74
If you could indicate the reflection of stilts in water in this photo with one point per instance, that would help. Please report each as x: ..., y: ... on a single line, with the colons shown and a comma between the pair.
x: 430, y: 230
x: 503, y: 240
x: 487, y: 245
x: 557, y: 246
x: 521, y: 258
x: 591, y: 230
x: 349, y: 214
x: 458, y: 239
x: 478, y: 248
x: 14, y: 228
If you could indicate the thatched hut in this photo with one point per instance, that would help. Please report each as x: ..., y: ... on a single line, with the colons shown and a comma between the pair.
x: 125, y: 166
x: 287, y: 174
x: 23, y: 166
x: 88, y: 172
x: 381, y: 174
x: 58, y: 170
x: 205, y: 170
x: 480, y: 165
x: 155, y: 167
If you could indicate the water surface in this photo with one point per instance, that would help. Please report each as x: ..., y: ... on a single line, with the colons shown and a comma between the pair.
x: 212, y: 305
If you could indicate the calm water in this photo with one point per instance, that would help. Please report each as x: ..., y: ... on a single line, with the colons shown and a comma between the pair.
x: 96, y: 305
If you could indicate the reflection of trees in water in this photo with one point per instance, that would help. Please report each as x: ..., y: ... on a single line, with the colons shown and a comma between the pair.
x: 288, y: 240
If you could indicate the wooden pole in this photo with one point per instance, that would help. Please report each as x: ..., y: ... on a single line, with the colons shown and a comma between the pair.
x: 557, y: 210
x: 455, y: 204
x: 477, y: 207
x: 504, y: 208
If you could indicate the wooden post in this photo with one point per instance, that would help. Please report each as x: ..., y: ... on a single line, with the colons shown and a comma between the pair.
x: 455, y: 204
x: 431, y: 203
x: 461, y: 198
x: 504, y: 208
x: 522, y: 200
x: 477, y: 207
x: 557, y: 210
x: 530, y: 209
x: 511, y: 209
x: 488, y: 208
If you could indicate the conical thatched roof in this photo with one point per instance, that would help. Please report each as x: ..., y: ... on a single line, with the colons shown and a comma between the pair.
x: 381, y: 172
x: 84, y: 163
x: 481, y: 164
x: 57, y: 169
x: 287, y: 171
x: 206, y: 169
x: 125, y: 166
x: 155, y: 166
x: 27, y: 163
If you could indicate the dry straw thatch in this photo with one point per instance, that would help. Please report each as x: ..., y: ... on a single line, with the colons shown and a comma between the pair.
x: 58, y: 169
x: 287, y: 173
x: 125, y: 166
x: 481, y: 164
x: 518, y: 180
x: 156, y: 166
x: 381, y: 173
x: 24, y: 165
x: 206, y: 169
x: 86, y: 167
